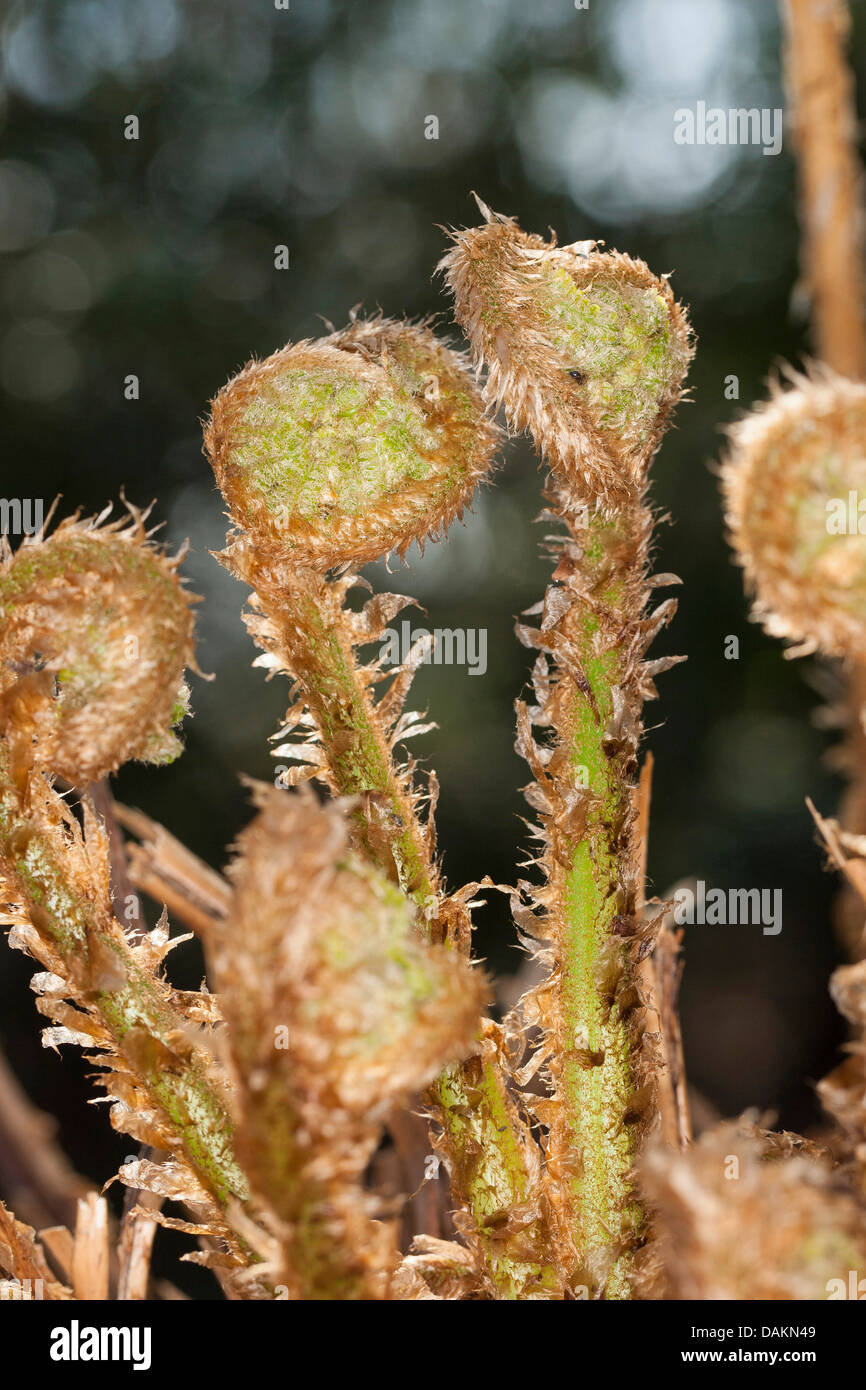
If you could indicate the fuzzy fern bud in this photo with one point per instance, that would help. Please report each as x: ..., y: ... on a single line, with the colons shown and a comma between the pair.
x: 95, y: 635
x: 584, y: 349
x: 337, y: 1011
x: 322, y: 942
x: 795, y: 488
x: 747, y: 1216
x: 341, y: 449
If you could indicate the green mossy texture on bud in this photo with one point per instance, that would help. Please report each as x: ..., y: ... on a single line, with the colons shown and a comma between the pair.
x: 95, y: 635
x: 793, y: 483
x: 344, y: 448
x: 617, y: 336
x: 587, y: 350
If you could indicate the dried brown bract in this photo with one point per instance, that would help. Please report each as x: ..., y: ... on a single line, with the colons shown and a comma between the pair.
x: 26, y: 1272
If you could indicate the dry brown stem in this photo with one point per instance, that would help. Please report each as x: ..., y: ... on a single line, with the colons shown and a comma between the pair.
x: 821, y: 96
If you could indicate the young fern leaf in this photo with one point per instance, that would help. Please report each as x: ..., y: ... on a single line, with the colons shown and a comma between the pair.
x: 588, y: 352
x: 330, y: 454
x: 70, y: 605
x: 337, y: 451
x: 337, y: 1012
x: 793, y: 483
x: 792, y: 467
x: 95, y: 637
x: 750, y: 1217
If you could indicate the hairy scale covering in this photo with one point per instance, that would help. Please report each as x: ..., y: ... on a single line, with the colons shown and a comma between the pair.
x: 586, y: 350
x: 749, y: 1217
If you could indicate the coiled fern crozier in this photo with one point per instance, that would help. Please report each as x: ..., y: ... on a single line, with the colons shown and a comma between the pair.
x: 342, y: 990
x: 588, y: 352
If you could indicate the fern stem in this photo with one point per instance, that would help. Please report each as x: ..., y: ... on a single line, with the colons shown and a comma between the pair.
x: 332, y: 453
x: 143, y: 1026
x: 596, y: 1068
x: 360, y: 762
x: 489, y: 1155
x: 587, y: 351
x: 489, y: 1151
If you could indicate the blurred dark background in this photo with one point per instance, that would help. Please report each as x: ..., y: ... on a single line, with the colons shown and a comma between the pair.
x: 304, y: 127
